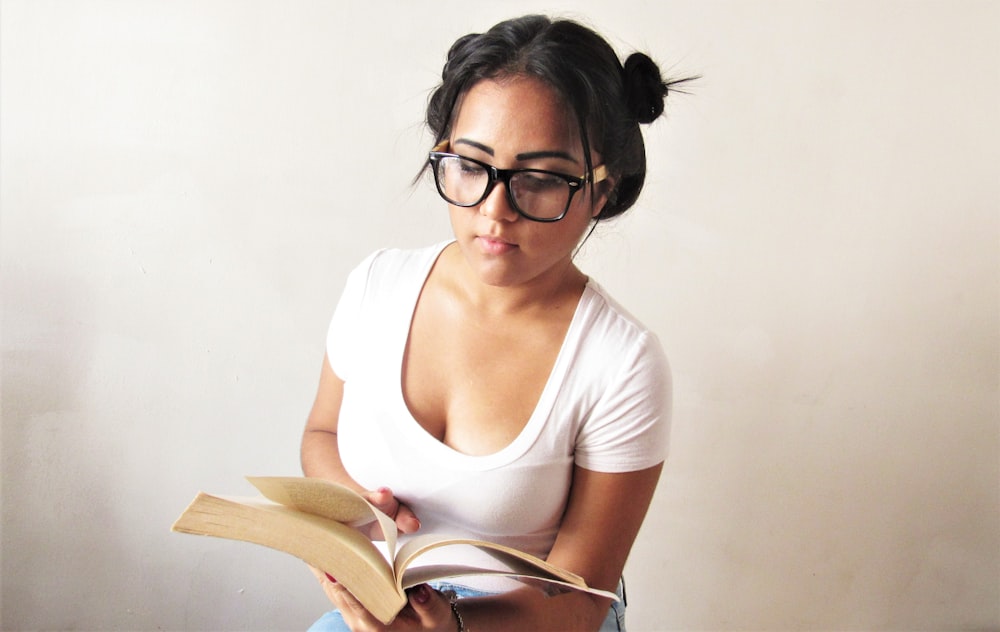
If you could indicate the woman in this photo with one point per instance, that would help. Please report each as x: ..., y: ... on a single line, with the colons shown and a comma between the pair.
x: 486, y: 386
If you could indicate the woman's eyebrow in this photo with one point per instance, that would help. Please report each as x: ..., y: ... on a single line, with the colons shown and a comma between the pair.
x: 529, y: 155
x: 481, y: 147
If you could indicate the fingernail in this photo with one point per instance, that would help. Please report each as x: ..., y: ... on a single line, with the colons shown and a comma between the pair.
x: 330, y: 577
x: 421, y: 594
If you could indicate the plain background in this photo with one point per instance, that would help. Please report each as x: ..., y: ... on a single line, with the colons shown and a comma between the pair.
x: 186, y: 184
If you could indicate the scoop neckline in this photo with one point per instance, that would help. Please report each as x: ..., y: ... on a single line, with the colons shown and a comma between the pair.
x: 442, y: 452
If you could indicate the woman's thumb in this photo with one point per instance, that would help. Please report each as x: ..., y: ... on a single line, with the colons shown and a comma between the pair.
x: 429, y: 605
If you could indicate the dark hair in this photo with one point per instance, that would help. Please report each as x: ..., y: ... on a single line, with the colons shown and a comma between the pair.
x: 608, y: 99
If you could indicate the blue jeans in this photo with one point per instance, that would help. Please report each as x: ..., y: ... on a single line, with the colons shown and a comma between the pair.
x: 614, y: 622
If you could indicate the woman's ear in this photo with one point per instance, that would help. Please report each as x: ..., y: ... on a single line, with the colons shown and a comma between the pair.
x: 603, y: 193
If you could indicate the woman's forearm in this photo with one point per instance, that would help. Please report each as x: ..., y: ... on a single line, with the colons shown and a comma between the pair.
x: 321, y: 458
x: 531, y: 609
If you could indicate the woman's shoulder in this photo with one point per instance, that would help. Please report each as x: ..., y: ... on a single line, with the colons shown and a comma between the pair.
x: 602, y: 311
x: 394, y: 267
x: 393, y: 259
x: 610, y: 336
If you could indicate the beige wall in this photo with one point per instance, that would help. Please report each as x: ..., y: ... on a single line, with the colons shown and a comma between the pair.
x: 185, y: 184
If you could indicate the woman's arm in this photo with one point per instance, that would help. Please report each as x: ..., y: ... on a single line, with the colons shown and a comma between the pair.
x: 601, y: 522
x: 320, y: 452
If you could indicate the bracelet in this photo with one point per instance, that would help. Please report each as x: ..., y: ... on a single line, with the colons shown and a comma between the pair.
x: 453, y: 601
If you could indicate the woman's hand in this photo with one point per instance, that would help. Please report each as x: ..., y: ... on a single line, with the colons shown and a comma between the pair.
x: 427, y: 609
x: 384, y: 501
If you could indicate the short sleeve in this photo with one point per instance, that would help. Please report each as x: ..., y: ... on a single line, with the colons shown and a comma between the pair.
x: 343, y: 339
x: 629, y: 427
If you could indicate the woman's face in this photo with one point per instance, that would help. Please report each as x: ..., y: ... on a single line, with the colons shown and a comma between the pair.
x: 519, y: 123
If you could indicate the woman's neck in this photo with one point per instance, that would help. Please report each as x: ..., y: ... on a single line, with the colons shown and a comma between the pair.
x: 557, y: 289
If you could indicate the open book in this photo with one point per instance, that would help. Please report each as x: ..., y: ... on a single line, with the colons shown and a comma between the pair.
x: 317, y: 521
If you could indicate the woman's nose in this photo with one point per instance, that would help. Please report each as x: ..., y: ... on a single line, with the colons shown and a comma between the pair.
x: 497, y: 206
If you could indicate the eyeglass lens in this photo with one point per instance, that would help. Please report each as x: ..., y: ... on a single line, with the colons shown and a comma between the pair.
x: 535, y: 193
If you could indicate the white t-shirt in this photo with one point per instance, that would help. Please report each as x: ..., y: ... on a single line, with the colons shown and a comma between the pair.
x: 605, y: 407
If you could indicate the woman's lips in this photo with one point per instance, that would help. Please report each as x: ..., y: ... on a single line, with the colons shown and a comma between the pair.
x: 494, y: 245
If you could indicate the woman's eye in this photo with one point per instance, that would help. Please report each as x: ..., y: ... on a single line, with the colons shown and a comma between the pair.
x: 537, y: 181
x: 470, y: 168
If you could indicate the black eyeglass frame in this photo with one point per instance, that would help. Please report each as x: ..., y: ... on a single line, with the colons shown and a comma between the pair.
x: 504, y: 175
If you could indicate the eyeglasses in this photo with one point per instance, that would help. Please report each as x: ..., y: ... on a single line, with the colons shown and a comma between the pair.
x: 536, y: 194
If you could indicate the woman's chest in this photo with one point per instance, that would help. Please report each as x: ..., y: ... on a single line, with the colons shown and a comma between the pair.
x: 472, y: 386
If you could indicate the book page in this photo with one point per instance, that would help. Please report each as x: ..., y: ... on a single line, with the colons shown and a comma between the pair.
x: 517, y: 564
x: 316, y: 496
x: 549, y: 585
x: 326, y: 499
x: 332, y: 546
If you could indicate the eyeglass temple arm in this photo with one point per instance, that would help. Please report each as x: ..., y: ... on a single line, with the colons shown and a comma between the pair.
x: 600, y: 174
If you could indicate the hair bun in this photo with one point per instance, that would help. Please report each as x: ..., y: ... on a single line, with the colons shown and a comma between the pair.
x: 645, y: 90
